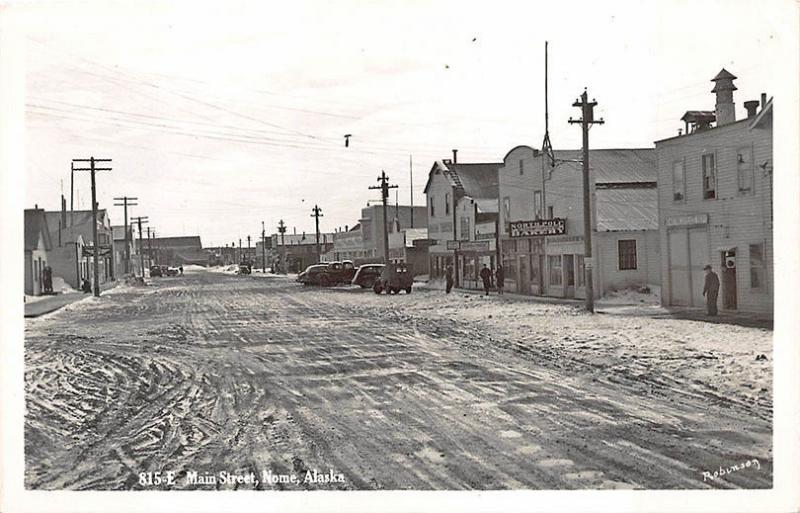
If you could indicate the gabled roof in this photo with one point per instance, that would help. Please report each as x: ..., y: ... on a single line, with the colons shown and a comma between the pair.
x: 36, y: 225
x: 614, y: 165
x: 724, y: 74
x: 192, y: 241
x: 476, y: 180
x: 621, y: 209
x: 764, y: 116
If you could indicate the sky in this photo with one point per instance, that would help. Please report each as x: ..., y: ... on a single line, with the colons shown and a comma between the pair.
x: 220, y: 116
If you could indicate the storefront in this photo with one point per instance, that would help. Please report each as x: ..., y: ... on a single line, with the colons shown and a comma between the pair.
x: 471, y: 256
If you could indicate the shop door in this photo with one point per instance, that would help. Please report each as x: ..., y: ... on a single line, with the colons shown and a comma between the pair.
x: 569, y: 276
x: 680, y: 293
x: 537, y: 266
x: 699, y: 257
x: 728, y: 279
x: 523, y: 285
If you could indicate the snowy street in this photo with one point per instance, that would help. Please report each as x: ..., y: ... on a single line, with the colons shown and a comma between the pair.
x: 213, y: 372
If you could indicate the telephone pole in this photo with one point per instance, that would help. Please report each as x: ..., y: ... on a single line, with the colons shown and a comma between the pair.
x: 316, y: 214
x: 384, y: 188
x: 263, y: 248
x: 586, y: 121
x: 126, y: 202
x: 93, y: 169
x: 411, y: 186
x: 240, y: 250
x: 150, y: 258
x: 248, y: 250
x: 282, y: 230
x: 140, y: 220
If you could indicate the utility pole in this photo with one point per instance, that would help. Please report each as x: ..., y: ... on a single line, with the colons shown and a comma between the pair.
x: 384, y: 188
x: 282, y: 230
x: 240, y: 250
x: 263, y: 248
x: 411, y: 186
x: 149, y: 247
x: 586, y: 121
x: 248, y: 249
x: 316, y: 214
x: 92, y: 169
x: 126, y: 202
x: 140, y: 220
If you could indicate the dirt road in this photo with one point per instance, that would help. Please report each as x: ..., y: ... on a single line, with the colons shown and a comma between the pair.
x: 213, y: 373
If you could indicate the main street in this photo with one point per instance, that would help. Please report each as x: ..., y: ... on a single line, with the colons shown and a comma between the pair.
x: 213, y: 373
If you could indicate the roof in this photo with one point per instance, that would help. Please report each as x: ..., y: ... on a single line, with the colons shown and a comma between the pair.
x: 627, y: 209
x: 192, y: 241
x: 476, y: 180
x: 75, y: 218
x: 724, y: 74
x: 693, y: 115
x: 764, y: 116
x: 36, y: 224
x: 615, y: 165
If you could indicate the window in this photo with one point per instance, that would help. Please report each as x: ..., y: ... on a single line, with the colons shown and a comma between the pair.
x: 744, y: 167
x: 537, y: 204
x: 627, y: 254
x: 678, y: 181
x: 520, y: 167
x: 447, y: 203
x: 506, y: 209
x: 709, y: 176
x: 756, y: 266
x: 554, y: 264
x: 550, y: 212
x: 465, y: 228
x: 433, y: 210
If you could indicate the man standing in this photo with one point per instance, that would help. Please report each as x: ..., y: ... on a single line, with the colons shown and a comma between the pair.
x: 448, y: 276
x: 710, y: 290
x: 486, y: 276
x: 500, y: 278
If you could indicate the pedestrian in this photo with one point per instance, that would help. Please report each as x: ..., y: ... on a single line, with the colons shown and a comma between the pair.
x: 180, y: 269
x: 48, y: 280
x: 86, y: 286
x: 500, y: 278
x: 486, y: 276
x: 448, y: 277
x: 710, y: 290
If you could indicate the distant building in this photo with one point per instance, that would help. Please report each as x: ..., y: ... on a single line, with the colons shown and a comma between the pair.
x: 715, y: 204
x: 175, y: 251
x: 300, y: 250
x: 462, y: 213
x: 37, y: 246
x: 399, y: 217
x: 410, y: 246
x: 541, y: 221
x: 120, y: 241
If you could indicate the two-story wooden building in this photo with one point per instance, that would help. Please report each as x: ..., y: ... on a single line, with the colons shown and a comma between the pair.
x: 541, y: 220
x: 715, y: 204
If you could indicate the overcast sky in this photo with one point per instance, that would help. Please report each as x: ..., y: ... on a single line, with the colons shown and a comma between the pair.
x: 219, y: 116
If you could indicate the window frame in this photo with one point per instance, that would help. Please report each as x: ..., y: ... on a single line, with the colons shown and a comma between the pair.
x: 447, y: 203
x: 703, y: 174
x: 682, y: 199
x: 551, y: 268
x: 748, y: 168
x: 537, y: 204
x: 627, y: 261
x: 432, y: 206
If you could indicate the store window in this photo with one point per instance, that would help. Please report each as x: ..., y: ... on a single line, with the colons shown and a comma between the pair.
x: 709, y: 176
x: 678, y: 181
x: 465, y: 228
x: 756, y: 266
x: 627, y: 254
x: 554, y: 265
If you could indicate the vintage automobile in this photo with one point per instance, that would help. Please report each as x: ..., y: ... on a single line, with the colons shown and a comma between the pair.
x: 243, y: 269
x: 366, y: 275
x: 155, y: 270
x: 312, y: 274
x: 338, y: 273
x: 393, y: 279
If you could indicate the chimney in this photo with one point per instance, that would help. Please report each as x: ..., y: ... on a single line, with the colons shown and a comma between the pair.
x: 345, y: 228
x: 752, y: 108
x: 763, y: 100
x: 724, y: 88
x: 455, y: 156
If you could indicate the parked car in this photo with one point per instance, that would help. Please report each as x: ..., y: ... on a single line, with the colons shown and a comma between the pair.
x: 393, y: 279
x: 338, y: 273
x: 155, y: 270
x: 367, y: 274
x: 173, y: 271
x: 311, y: 276
x: 244, y: 269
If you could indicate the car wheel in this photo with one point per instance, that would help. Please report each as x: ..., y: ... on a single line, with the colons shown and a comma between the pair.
x: 364, y: 286
x: 377, y: 288
x: 408, y: 290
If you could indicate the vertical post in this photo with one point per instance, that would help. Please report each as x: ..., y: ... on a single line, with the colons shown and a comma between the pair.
x: 411, y: 186
x: 316, y: 214
x: 384, y: 188
x: 96, y: 274
x: 71, y: 194
x: 149, y: 247
x: 587, y: 119
x: 263, y: 248
x: 282, y: 231
x: 240, y: 250
x: 141, y: 248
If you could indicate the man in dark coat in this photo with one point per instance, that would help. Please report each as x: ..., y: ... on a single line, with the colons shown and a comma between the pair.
x: 486, y: 276
x: 448, y: 276
x: 711, y: 290
x: 500, y: 278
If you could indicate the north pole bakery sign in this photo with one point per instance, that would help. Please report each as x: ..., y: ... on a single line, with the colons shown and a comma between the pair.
x: 555, y: 226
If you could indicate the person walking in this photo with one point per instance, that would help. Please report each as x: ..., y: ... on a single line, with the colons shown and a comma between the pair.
x: 486, y: 276
x: 500, y: 278
x: 711, y: 290
x: 448, y: 277
x: 180, y: 269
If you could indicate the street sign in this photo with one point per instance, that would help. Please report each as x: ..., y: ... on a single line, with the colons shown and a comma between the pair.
x: 555, y: 226
x: 476, y: 245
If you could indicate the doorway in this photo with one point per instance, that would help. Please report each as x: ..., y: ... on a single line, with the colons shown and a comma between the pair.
x: 569, y: 276
x: 728, y: 279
